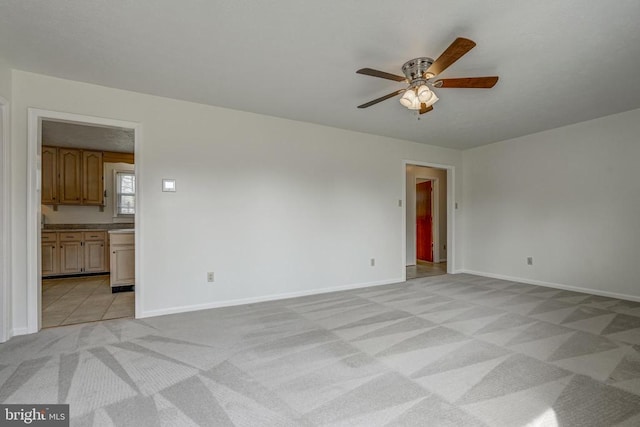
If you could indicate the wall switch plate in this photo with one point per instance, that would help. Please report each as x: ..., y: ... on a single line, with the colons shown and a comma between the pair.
x: 210, y: 276
x: 169, y: 185
x: 529, y: 260
x: 373, y: 262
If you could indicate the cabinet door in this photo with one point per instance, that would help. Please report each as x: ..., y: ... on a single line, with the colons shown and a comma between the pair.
x: 50, y: 261
x: 71, y: 257
x: 70, y: 180
x: 94, y: 256
x: 92, y: 178
x: 49, y: 175
x: 122, y: 265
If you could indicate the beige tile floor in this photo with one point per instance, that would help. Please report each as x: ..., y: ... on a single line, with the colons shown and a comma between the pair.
x: 426, y: 269
x: 82, y: 299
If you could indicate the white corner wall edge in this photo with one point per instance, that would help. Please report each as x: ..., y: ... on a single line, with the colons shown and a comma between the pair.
x: 554, y: 285
x: 265, y: 298
x: 19, y: 331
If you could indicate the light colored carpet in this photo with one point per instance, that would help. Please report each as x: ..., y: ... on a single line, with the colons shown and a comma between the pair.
x: 447, y: 350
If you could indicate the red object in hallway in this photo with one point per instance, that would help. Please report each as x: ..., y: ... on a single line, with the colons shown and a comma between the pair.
x: 424, y: 222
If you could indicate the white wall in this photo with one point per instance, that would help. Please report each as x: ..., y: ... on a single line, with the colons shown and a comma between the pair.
x: 5, y: 79
x: 421, y: 172
x: 272, y: 206
x: 67, y: 214
x: 5, y: 220
x: 568, y: 197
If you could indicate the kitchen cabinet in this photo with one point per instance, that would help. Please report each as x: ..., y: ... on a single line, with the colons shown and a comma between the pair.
x: 69, y: 176
x: 71, y: 256
x: 94, y: 251
x: 92, y: 178
x: 74, y: 252
x: 50, y: 254
x: 49, y: 161
x: 122, y: 265
x: 72, y: 176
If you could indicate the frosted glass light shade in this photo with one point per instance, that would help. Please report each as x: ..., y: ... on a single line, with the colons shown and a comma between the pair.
x: 410, y: 100
x: 426, y: 96
x: 413, y: 98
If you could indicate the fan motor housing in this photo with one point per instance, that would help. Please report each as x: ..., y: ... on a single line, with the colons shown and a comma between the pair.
x: 417, y: 68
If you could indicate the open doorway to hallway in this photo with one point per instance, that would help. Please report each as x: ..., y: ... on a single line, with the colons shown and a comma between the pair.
x: 426, y: 222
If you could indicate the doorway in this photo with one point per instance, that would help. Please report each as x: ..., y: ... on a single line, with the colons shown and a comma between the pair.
x: 428, y: 219
x: 70, y: 220
x: 425, y: 227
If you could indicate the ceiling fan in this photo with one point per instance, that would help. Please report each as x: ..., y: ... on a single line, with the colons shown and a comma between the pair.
x: 419, y: 71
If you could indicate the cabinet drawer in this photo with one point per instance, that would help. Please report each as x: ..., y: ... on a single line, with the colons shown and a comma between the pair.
x: 122, y: 239
x: 65, y: 236
x: 49, y: 237
x: 93, y: 235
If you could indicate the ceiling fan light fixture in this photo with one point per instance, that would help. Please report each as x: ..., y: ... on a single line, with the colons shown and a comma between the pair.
x: 427, y: 96
x: 409, y: 99
x: 418, y: 73
x: 414, y: 97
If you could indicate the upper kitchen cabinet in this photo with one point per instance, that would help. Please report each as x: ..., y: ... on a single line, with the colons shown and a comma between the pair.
x: 69, y: 176
x: 72, y: 176
x: 92, y: 178
x: 49, y: 175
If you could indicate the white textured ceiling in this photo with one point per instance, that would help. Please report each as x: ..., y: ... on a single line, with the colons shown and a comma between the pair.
x: 101, y: 138
x: 559, y: 62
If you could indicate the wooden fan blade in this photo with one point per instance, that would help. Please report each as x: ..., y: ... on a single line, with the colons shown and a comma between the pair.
x: 381, y: 74
x: 459, y: 47
x: 468, y: 82
x: 424, y: 108
x: 382, y: 98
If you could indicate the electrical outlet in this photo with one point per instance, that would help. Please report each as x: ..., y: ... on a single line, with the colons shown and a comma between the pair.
x: 529, y: 260
x: 373, y: 262
x: 210, y: 276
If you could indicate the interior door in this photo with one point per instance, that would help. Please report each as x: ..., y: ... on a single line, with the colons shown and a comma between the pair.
x: 424, y: 222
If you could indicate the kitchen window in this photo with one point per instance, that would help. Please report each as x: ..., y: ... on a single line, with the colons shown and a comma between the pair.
x: 125, y: 192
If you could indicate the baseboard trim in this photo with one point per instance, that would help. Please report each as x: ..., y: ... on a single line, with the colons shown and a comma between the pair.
x: 265, y: 298
x: 553, y: 285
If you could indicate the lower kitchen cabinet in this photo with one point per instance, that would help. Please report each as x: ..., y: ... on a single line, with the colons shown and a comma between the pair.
x: 74, y: 252
x: 50, y: 254
x: 95, y: 251
x: 71, y: 257
x: 123, y: 256
x: 94, y: 257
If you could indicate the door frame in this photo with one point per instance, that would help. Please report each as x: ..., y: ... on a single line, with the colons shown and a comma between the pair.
x: 451, y: 238
x: 34, y: 150
x: 5, y: 227
x: 435, y: 218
